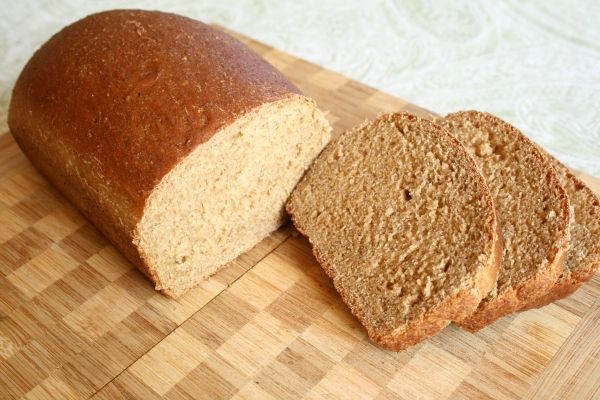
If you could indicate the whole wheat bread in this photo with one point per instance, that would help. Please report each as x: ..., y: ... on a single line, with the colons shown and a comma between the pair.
x: 177, y: 141
x: 583, y: 257
x: 532, y: 209
x: 401, y: 220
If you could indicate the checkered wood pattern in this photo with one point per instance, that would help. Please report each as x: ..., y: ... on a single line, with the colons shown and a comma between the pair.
x: 78, y: 321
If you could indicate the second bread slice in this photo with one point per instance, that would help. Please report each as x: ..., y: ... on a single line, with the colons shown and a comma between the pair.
x: 401, y: 220
x: 532, y: 209
x: 583, y: 257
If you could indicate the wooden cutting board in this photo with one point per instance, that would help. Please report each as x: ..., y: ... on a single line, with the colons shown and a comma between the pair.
x: 77, y: 320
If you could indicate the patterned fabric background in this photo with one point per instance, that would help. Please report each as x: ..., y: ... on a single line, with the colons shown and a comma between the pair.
x: 535, y: 63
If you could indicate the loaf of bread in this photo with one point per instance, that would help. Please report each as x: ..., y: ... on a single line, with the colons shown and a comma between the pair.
x: 177, y: 141
x: 532, y: 208
x: 401, y: 219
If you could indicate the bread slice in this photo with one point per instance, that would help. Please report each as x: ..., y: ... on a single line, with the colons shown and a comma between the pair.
x: 583, y: 257
x: 401, y: 220
x: 177, y: 141
x: 532, y: 209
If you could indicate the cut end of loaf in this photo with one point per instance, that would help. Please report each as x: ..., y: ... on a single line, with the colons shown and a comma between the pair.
x: 229, y: 193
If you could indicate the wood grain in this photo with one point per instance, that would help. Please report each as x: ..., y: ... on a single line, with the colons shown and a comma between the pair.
x: 78, y: 321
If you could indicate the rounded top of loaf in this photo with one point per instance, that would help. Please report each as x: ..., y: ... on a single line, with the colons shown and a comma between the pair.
x: 133, y: 92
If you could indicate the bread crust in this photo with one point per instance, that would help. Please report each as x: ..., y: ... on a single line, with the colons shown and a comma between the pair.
x: 454, y: 308
x: 515, y: 298
x: 110, y: 104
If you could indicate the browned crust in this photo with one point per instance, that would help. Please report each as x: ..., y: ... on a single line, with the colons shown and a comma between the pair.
x: 454, y: 308
x: 142, y: 86
x: 110, y: 104
x: 515, y: 298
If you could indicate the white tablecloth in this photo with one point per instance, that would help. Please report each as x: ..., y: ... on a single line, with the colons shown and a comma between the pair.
x: 534, y: 63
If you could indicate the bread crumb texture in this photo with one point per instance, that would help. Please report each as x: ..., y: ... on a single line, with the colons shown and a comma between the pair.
x: 400, y: 218
x: 229, y: 193
x: 532, y: 210
x: 583, y: 257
